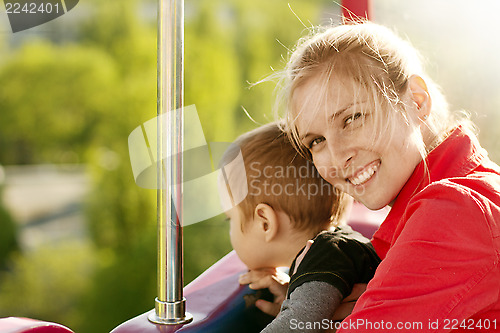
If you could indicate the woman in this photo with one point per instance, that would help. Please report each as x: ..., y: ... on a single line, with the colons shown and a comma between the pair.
x: 360, y: 106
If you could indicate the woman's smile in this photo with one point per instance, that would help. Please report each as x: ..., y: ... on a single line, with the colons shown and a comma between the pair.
x: 365, y: 174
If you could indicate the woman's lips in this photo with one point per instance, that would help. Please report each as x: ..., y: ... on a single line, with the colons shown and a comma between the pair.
x: 364, y: 174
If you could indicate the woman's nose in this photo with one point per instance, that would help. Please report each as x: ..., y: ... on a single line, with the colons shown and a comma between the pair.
x: 340, y: 155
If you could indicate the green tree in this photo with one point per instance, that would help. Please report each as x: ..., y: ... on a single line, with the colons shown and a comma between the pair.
x: 8, y: 237
x: 48, y: 284
x: 79, y: 103
x: 51, y: 100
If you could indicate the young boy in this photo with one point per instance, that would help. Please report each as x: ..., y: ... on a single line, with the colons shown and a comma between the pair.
x: 286, y: 205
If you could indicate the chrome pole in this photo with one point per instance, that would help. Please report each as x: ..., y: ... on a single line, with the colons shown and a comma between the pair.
x: 170, y: 305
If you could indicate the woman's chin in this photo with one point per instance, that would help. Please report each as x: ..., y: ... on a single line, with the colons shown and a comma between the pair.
x: 374, y: 204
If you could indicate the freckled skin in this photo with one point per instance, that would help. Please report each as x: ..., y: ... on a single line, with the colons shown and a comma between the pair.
x: 343, y: 146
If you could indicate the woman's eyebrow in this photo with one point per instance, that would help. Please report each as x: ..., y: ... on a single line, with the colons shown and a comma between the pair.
x: 339, y: 112
x: 303, y: 137
x: 335, y: 114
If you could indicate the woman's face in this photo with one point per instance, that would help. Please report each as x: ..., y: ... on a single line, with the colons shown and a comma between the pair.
x: 346, y: 149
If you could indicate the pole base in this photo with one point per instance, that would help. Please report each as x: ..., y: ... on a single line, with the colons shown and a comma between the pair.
x: 170, y: 313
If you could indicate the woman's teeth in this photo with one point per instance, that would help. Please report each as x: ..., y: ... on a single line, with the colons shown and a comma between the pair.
x: 364, y: 176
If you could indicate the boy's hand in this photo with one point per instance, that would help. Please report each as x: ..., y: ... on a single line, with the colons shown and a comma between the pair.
x: 272, y: 279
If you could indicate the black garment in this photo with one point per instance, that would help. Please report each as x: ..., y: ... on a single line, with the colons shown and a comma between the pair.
x: 341, y: 257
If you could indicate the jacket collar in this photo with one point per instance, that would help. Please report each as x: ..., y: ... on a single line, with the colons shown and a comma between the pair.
x: 458, y: 155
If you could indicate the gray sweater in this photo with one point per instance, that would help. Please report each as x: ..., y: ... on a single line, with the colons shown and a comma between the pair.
x: 310, y: 308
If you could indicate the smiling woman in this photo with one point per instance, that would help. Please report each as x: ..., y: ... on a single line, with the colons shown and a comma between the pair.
x: 361, y: 107
x: 354, y: 151
x: 356, y: 123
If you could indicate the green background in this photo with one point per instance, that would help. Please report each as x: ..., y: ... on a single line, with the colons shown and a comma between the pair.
x: 72, y: 90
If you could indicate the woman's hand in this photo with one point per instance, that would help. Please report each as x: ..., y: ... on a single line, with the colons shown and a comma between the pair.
x: 345, y: 308
x: 272, y: 279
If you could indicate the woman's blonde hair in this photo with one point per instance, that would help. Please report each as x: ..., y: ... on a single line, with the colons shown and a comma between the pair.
x: 374, y: 60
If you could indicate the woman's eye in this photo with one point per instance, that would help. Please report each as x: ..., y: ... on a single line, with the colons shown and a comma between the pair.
x: 315, y: 142
x: 351, y: 118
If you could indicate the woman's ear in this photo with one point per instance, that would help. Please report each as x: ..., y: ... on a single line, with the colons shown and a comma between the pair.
x: 420, y: 95
x: 267, y: 221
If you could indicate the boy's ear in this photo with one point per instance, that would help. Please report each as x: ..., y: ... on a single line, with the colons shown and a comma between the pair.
x: 267, y: 220
x: 420, y: 95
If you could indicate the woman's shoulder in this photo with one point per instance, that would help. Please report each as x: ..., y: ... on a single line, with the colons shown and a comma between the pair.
x: 461, y: 203
x: 477, y: 188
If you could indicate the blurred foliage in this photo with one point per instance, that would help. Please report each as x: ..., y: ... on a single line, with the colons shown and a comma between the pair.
x: 77, y: 102
x: 123, y: 286
x: 8, y: 237
x: 48, y: 283
x: 52, y: 102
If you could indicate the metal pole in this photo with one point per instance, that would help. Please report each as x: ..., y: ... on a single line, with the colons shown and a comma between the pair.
x: 170, y: 305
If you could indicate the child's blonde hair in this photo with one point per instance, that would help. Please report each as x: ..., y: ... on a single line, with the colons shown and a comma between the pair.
x: 278, y: 176
x: 375, y: 60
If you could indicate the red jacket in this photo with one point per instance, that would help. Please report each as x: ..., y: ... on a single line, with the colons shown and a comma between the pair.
x: 440, y: 248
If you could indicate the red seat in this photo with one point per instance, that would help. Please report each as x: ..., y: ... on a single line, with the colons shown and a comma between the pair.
x: 26, y: 325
